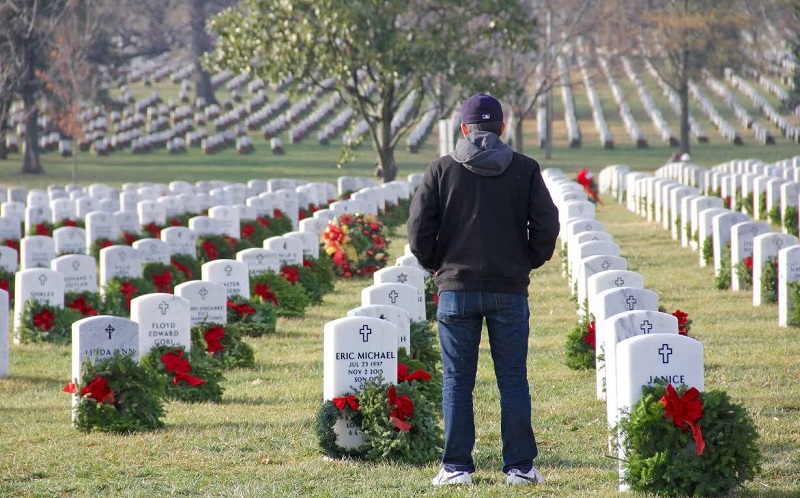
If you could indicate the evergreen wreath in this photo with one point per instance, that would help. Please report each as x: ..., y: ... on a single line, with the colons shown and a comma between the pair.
x: 187, y: 266
x: 213, y: 247
x: 292, y: 299
x: 42, y: 228
x: 118, y: 395
x: 277, y: 224
x: 431, y: 298
x: 253, y: 233
x: 66, y: 222
x: 191, y: 377
x: 428, y: 381
x: 224, y: 344
x: 744, y: 272
x: 769, y: 280
x: 397, y: 214
x: 7, y: 283
x: 397, y: 423
x: 86, y: 303
x: 153, y: 229
x: 323, y: 270
x: 684, y: 322
x: 790, y: 220
x: 306, y: 278
x: 119, y: 292
x: 762, y: 204
x: 708, y: 250
x: 163, y: 277
x: 793, y: 289
x: 580, y: 344
x: 424, y: 345
x: 97, y: 244
x: 127, y: 238
x: 722, y: 280
x: 663, y: 456
x: 775, y: 215
x: 253, y: 318
x: 41, y: 322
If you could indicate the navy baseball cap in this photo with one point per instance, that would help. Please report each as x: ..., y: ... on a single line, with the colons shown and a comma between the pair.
x: 481, y: 108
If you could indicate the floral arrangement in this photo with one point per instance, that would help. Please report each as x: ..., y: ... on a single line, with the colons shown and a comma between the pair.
x: 41, y: 322
x: 192, y: 381
x: 769, y: 280
x: 356, y: 244
x: 188, y: 267
x: 684, y: 442
x: 744, y: 272
x: 117, y: 395
x: 586, y: 180
x: 86, y: 303
x: 581, y: 343
x: 119, y: 292
x: 254, y: 317
x: 397, y: 423
x: 224, y: 344
x: 684, y: 322
x: 292, y: 299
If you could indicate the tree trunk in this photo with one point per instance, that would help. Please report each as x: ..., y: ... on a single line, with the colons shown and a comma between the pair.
x: 518, y: 144
x: 30, y: 157
x: 5, y: 106
x: 387, y: 164
x: 199, y: 45
x: 684, y: 95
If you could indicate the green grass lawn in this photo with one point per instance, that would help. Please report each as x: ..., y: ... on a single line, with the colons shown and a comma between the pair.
x: 260, y: 440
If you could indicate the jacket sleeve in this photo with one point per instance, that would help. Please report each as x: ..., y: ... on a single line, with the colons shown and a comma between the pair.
x: 423, y: 221
x: 543, y: 224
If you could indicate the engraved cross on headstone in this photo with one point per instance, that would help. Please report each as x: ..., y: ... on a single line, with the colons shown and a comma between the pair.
x: 163, y: 307
x: 75, y: 265
x: 109, y: 329
x: 228, y: 270
x: 631, y: 302
x: 646, y: 327
x: 393, y: 296
x: 365, y: 333
x: 260, y: 259
x: 42, y: 279
x: 606, y: 265
x: 203, y: 292
x: 665, y: 351
x: 619, y: 282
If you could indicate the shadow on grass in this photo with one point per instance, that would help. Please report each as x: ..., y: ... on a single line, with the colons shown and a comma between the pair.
x: 35, y: 382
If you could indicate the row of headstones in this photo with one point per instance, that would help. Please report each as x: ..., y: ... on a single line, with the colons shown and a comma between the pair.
x: 636, y: 344
x: 363, y: 346
x: 663, y: 198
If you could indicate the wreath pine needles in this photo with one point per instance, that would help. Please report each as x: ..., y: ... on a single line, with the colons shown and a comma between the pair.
x: 323, y: 270
x: 187, y: 266
x: 224, y: 344
x: 580, y: 344
x: 661, y: 457
x: 137, y: 403
x: 42, y: 322
x: 190, y: 377
x: 250, y: 317
x: 86, y: 303
x: 292, y: 299
x: 769, y: 281
x: 118, y: 293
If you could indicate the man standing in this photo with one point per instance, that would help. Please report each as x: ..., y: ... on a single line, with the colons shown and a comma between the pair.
x: 481, y: 220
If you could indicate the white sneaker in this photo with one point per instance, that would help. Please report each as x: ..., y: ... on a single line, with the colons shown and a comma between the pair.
x: 516, y: 476
x: 455, y: 477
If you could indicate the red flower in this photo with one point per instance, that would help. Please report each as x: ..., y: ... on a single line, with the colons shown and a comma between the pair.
x: 99, y: 390
x: 263, y: 291
x: 182, y: 268
x: 307, y: 263
x: 42, y: 229
x: 82, y: 306
x: 375, y: 226
x: 748, y: 262
x: 589, y: 337
x: 247, y: 230
x: 44, y: 320
x: 163, y: 281
x: 404, y: 376
x: 70, y: 223
x: 209, y: 249
x: 153, y: 230
x: 403, y: 407
x: 277, y: 213
x: 685, y: 411
x: 378, y: 242
x: 231, y: 241
x: 343, y: 401
x: 290, y: 274
x: 333, y: 233
x: 213, y: 336
x: 683, y: 320
x: 345, y: 219
x: 174, y: 363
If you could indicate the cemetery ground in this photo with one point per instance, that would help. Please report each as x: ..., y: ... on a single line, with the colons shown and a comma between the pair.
x: 260, y: 440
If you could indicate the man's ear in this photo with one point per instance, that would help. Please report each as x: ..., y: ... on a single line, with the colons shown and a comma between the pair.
x: 503, y: 128
x: 464, y: 130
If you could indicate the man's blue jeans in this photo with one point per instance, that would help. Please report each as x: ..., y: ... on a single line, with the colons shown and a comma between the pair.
x: 460, y: 317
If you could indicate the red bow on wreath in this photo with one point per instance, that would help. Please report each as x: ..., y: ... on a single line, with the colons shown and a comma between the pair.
x: 213, y: 336
x: 99, y: 390
x: 590, y: 337
x: 265, y: 293
x: 182, y: 268
x: 585, y: 179
x: 404, y: 407
x: 290, y: 274
x: 162, y: 281
x: 404, y: 376
x: 176, y: 364
x: 44, y: 320
x: 685, y: 411
x: 349, y: 400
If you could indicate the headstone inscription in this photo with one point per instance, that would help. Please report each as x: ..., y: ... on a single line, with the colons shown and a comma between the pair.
x: 207, y: 301
x: 403, y: 295
x: 230, y: 273
x: 163, y: 321
x: 397, y: 316
x: 40, y: 284
x: 99, y: 337
x: 79, y: 270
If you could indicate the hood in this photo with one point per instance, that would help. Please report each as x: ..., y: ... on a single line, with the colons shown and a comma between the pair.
x: 483, y: 153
